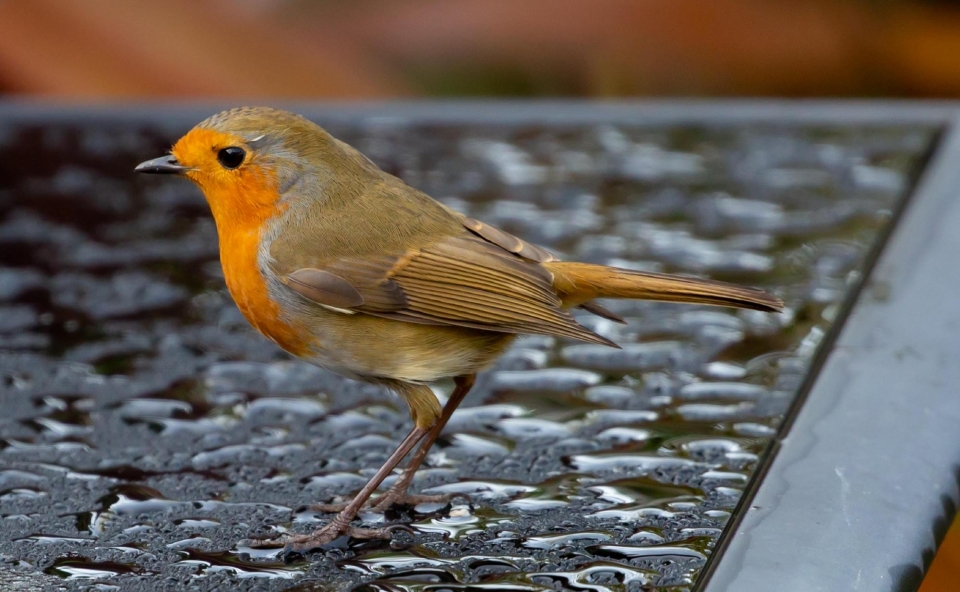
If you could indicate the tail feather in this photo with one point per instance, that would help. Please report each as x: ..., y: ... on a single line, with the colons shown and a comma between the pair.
x: 579, y: 283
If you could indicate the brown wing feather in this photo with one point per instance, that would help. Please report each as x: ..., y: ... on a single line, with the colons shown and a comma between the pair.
x: 462, y: 280
x: 508, y: 241
x: 324, y: 287
x: 602, y: 311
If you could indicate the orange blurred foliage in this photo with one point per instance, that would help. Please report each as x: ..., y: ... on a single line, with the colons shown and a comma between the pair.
x: 182, y: 48
x: 390, y: 48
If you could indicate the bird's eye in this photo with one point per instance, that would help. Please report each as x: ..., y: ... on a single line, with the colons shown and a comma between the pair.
x: 231, y: 158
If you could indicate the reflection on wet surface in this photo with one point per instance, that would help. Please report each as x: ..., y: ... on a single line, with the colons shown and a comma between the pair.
x: 147, y: 431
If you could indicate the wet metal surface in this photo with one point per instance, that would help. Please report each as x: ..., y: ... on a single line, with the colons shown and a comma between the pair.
x: 146, y: 429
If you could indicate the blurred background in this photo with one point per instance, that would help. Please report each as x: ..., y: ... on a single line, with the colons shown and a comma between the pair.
x: 351, y: 49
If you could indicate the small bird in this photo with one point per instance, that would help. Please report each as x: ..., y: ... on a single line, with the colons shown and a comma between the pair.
x: 351, y: 269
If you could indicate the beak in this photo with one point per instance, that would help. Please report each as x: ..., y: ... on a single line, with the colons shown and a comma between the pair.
x: 165, y: 165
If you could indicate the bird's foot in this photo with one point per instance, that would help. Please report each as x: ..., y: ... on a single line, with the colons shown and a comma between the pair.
x: 299, y: 543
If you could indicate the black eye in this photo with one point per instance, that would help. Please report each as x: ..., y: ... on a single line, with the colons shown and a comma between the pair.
x: 231, y: 158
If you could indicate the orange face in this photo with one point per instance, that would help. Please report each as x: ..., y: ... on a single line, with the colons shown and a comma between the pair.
x: 241, y: 191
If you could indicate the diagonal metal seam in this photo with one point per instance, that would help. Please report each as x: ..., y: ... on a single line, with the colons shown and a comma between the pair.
x: 927, y: 168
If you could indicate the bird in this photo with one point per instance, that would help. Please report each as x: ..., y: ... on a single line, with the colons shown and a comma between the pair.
x: 349, y: 268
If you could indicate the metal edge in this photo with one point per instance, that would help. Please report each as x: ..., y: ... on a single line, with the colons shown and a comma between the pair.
x: 818, y: 361
x: 856, y: 452
x: 643, y: 112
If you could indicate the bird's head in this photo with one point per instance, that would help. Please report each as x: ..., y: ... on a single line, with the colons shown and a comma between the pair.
x: 249, y: 160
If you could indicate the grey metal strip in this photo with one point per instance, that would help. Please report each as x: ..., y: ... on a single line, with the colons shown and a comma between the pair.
x: 865, y: 482
x: 543, y: 112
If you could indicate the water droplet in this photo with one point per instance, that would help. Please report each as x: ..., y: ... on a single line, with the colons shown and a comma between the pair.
x: 523, y: 359
x: 336, y: 483
x: 484, y: 491
x: 44, y: 539
x: 197, y: 523
x: 725, y: 477
x: 639, y: 357
x: 628, y: 463
x: 21, y: 494
x: 645, y: 537
x: 284, y: 409
x: 453, y: 526
x: 724, y: 371
x: 154, y: 408
x: 520, y: 428
x: 605, y: 417
x: 550, y: 379
x: 233, y: 564
x: 647, y: 552
x: 599, y: 576
x: 387, y: 562
x: 754, y: 430
x: 190, y: 542
x: 710, y: 412
x: 12, y: 477
x: 82, y: 568
x: 575, y: 539
x: 623, y: 436
x: 610, y: 396
x: 633, y: 515
x: 534, y: 504
x: 470, y: 446
x: 700, y: 391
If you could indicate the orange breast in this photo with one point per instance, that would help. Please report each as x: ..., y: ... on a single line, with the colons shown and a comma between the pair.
x: 238, y: 256
x: 243, y: 202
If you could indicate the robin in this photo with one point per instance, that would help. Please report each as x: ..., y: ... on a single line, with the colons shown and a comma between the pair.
x: 348, y: 267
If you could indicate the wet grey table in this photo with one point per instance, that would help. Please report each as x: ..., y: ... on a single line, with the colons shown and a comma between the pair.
x: 146, y: 430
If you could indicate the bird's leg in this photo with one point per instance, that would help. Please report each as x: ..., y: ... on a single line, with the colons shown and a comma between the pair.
x: 340, y: 525
x: 397, y: 495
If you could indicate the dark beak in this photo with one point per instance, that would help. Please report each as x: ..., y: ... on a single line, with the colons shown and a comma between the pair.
x: 165, y: 165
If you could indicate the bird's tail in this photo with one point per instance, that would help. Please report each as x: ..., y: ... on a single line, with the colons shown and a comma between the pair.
x: 579, y: 283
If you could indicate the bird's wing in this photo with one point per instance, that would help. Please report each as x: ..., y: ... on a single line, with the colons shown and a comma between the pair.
x: 482, y: 278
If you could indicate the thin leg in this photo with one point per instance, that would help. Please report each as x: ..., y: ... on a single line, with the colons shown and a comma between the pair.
x: 341, y: 523
x: 398, y: 493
